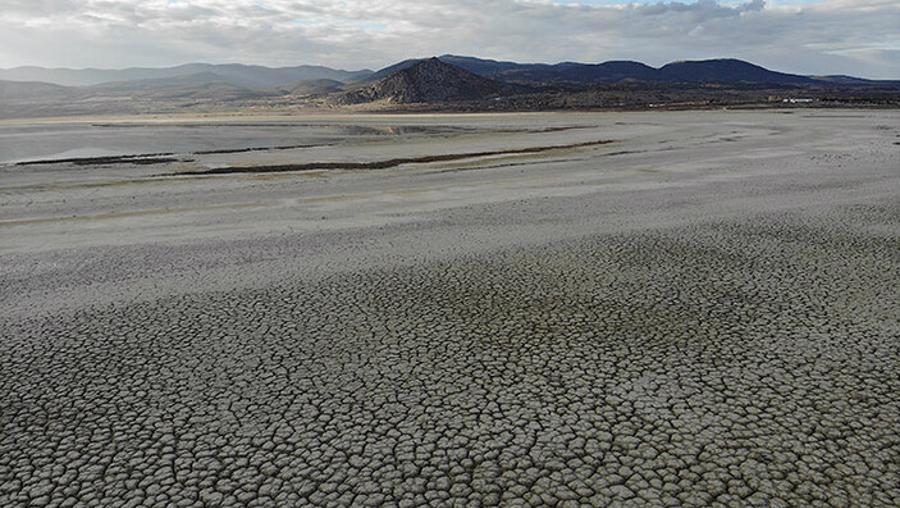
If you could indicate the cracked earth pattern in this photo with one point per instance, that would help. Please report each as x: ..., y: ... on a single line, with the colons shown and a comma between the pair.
x: 663, y: 322
x: 734, y: 363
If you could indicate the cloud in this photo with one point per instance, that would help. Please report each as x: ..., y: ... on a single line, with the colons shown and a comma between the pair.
x: 703, y: 9
x: 831, y: 36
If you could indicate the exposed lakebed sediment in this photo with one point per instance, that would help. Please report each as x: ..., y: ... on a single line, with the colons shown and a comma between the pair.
x: 385, y: 164
x: 706, y: 318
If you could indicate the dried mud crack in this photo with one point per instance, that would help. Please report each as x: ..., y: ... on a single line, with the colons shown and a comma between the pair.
x: 702, y: 327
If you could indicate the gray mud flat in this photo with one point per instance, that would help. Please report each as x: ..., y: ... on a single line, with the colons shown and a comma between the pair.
x: 704, y: 313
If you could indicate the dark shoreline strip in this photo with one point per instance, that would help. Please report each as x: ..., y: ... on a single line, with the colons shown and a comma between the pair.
x: 385, y: 164
x: 259, y: 149
x: 159, y: 158
x: 145, y: 158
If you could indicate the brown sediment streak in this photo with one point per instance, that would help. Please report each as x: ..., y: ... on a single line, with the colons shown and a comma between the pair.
x: 383, y: 164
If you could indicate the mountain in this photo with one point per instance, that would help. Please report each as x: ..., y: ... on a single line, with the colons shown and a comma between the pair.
x: 854, y: 81
x: 201, y: 85
x: 390, y: 69
x: 285, y: 79
x: 154, y: 84
x: 449, y: 83
x: 486, y: 67
x: 21, y: 99
x: 426, y: 81
x: 28, y: 90
x: 566, y: 71
x: 722, y: 71
x: 727, y: 71
x: 480, y: 66
x: 254, y: 77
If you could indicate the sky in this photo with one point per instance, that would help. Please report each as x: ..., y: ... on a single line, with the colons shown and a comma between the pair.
x: 857, y: 37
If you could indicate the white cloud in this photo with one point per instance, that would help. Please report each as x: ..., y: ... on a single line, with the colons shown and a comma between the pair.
x: 834, y: 36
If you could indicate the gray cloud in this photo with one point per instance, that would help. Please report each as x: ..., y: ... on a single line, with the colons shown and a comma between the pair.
x: 703, y: 9
x: 833, y: 36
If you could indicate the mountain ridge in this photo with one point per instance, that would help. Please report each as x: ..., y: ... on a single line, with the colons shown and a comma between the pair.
x: 255, y: 77
x: 719, y: 70
x: 430, y: 80
x: 449, y: 83
x: 262, y: 78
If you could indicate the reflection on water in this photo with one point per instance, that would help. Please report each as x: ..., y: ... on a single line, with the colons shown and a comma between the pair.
x: 41, y: 142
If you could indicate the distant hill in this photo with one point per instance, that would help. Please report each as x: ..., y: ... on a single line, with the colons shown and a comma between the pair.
x: 448, y: 83
x: 154, y: 84
x: 611, y: 71
x: 27, y: 90
x: 207, y: 85
x: 202, y: 90
x: 726, y: 71
x: 285, y: 79
x: 426, y: 81
x: 317, y: 87
x: 254, y: 77
x: 390, y: 69
x: 723, y: 71
x: 853, y: 81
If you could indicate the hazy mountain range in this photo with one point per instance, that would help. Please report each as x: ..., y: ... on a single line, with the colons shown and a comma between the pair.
x: 256, y: 77
x: 35, y: 91
x: 720, y: 71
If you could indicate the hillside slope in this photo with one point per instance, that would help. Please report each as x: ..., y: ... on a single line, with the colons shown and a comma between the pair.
x: 426, y: 81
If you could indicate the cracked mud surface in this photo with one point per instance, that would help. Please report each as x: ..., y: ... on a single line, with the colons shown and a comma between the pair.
x: 690, y: 327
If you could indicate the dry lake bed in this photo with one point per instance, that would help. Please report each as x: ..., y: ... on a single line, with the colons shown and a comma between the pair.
x: 680, y: 308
